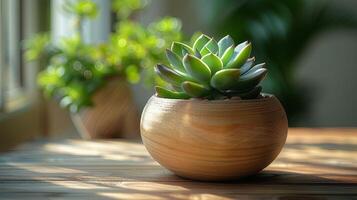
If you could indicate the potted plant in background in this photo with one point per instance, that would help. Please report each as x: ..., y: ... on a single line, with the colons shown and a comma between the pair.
x: 213, y: 123
x: 91, y: 80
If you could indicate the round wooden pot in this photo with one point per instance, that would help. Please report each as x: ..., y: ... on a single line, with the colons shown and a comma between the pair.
x: 214, y: 140
x: 113, y: 115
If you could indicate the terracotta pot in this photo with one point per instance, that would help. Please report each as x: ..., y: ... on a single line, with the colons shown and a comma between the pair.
x: 214, y: 140
x: 114, y: 114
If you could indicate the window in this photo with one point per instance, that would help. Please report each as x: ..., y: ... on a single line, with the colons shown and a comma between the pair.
x: 12, y: 88
x: 22, y: 111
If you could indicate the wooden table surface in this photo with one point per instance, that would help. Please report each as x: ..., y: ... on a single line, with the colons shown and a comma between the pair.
x: 314, y: 164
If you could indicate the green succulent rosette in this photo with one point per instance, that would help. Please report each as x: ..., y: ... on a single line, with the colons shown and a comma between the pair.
x: 210, y: 70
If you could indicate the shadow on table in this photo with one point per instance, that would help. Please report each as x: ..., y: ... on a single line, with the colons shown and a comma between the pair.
x: 92, y: 170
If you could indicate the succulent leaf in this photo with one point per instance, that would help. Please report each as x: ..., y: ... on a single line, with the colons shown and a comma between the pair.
x: 179, y: 48
x: 240, y: 57
x: 226, y: 57
x: 196, y: 68
x: 224, y: 44
x: 212, y: 46
x: 175, y: 60
x: 201, y: 42
x: 205, y: 51
x: 171, y: 76
x: 165, y: 93
x: 194, y: 89
x: 255, y: 68
x: 247, y: 65
x: 213, y: 62
x: 249, y: 80
x: 225, y: 79
x: 240, y: 46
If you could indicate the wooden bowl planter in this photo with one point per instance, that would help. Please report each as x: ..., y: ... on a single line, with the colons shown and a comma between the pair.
x: 214, y: 140
x: 113, y: 115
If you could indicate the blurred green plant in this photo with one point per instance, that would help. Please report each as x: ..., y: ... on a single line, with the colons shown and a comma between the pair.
x: 83, y: 8
x: 75, y: 69
x: 280, y: 30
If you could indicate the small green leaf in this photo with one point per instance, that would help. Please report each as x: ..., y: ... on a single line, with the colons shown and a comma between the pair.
x: 165, y: 93
x: 213, y: 62
x: 250, y: 80
x: 247, y: 65
x: 194, y: 89
x: 205, y: 51
x: 83, y: 8
x: 175, y: 60
x: 240, y: 46
x: 179, y: 48
x: 171, y: 76
x: 196, y: 68
x: 224, y: 44
x: 226, y: 57
x: 225, y: 79
x: 255, y: 68
x: 240, y: 57
x: 194, y: 37
x: 132, y: 74
x: 201, y: 42
x: 212, y: 46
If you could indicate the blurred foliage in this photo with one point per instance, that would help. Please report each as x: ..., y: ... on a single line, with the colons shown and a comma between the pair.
x: 280, y: 30
x: 123, y: 8
x: 75, y: 69
x: 83, y: 8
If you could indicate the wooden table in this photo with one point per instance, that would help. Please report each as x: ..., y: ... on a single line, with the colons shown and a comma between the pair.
x: 315, y: 164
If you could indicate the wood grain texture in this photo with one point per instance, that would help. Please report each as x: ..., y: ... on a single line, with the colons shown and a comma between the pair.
x: 114, y: 114
x: 314, y: 164
x: 214, y: 140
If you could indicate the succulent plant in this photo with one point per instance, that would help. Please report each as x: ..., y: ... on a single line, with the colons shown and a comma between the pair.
x: 210, y: 70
